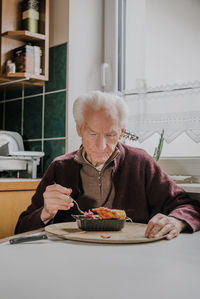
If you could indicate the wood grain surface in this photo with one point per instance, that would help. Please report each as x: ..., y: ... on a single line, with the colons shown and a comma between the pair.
x: 131, y: 233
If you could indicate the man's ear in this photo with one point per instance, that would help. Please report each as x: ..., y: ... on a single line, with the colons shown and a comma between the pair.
x: 78, y: 130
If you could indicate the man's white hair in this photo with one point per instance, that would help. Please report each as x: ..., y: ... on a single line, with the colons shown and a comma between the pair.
x: 100, y: 100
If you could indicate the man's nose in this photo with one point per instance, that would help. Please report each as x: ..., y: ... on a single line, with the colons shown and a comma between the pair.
x: 101, y: 143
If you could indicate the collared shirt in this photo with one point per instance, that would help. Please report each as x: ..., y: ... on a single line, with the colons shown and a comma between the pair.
x: 98, y: 188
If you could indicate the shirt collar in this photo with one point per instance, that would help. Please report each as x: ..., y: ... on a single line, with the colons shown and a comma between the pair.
x: 80, y: 156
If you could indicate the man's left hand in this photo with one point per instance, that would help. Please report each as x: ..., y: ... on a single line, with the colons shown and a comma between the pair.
x: 160, y: 225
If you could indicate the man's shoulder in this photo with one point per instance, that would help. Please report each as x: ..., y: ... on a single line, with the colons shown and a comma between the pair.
x: 65, y: 157
x: 132, y: 151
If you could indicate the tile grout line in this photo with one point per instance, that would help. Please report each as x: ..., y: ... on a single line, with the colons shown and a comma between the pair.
x: 41, y: 94
x: 45, y: 139
x: 22, y: 116
x: 42, y: 139
x: 4, y: 109
x: 11, y: 100
x: 56, y: 91
x: 43, y: 111
x: 33, y: 95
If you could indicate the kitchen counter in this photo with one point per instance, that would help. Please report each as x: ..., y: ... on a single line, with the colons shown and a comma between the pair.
x: 17, y: 180
x: 18, y: 184
x: 15, y: 197
x: 191, y: 188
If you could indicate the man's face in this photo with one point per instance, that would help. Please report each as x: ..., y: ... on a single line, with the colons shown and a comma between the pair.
x: 100, y: 133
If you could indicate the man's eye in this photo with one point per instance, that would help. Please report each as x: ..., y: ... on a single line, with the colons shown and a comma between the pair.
x: 110, y: 135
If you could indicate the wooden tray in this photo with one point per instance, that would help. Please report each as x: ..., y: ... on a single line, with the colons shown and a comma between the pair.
x: 131, y: 233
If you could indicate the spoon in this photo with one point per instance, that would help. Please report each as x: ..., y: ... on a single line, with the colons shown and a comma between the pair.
x: 78, y: 208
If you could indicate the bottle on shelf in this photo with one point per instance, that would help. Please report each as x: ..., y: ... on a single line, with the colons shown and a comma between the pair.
x: 30, y: 15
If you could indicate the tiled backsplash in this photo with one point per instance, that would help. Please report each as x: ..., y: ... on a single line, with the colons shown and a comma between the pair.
x: 38, y: 113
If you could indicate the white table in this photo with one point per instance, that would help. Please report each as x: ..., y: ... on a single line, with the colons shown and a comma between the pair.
x: 67, y: 269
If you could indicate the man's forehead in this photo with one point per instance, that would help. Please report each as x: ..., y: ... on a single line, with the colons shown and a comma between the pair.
x: 106, y: 129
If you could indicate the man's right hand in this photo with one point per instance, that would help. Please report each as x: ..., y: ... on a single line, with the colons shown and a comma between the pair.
x: 56, y: 197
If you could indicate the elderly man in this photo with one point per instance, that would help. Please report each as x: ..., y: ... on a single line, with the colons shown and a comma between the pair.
x: 106, y: 172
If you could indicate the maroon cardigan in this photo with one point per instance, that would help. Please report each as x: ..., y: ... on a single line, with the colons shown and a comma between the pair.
x: 142, y: 189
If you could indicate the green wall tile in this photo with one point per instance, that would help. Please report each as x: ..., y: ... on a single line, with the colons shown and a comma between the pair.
x: 13, y: 93
x: 1, y: 116
x: 57, y: 68
x: 52, y: 149
x: 35, y: 146
x: 55, y: 108
x: 54, y: 115
x: 32, y: 90
x: 13, y: 116
x: 1, y: 94
x: 33, y: 118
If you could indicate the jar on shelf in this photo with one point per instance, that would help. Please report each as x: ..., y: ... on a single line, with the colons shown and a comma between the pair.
x: 10, y: 67
x: 24, y: 59
x: 30, y: 15
x: 28, y: 59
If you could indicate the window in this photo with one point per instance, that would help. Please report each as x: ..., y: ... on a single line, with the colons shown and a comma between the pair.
x: 152, y: 59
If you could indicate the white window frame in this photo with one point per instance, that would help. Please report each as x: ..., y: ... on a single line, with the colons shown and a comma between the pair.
x: 111, y: 83
x: 110, y: 65
x: 113, y: 68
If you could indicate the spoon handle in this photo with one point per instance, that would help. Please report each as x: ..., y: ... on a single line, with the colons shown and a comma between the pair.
x: 80, y: 211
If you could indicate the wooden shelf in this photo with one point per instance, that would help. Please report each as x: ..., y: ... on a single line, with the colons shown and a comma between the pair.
x: 24, y: 35
x: 12, y: 37
x: 24, y: 75
x: 21, y: 78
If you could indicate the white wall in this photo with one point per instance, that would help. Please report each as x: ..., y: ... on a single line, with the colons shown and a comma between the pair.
x: 84, y: 57
x: 80, y: 23
x: 58, y: 22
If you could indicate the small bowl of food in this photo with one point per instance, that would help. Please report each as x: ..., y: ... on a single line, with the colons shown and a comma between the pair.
x: 105, y: 220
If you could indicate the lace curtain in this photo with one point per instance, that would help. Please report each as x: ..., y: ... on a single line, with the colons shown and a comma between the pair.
x: 176, y: 112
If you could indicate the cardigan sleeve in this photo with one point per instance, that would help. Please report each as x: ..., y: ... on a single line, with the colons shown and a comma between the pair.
x: 30, y: 219
x: 166, y: 197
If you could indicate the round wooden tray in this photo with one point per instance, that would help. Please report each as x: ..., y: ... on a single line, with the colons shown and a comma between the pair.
x: 131, y: 233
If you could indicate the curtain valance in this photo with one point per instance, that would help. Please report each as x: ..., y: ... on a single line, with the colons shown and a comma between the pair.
x: 175, y: 111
